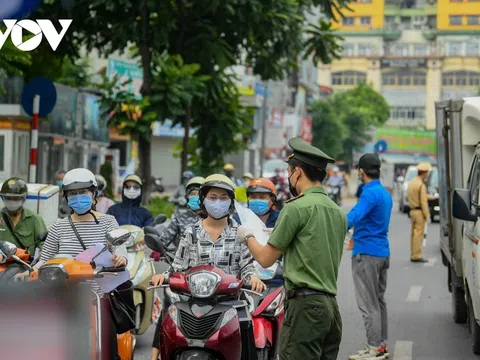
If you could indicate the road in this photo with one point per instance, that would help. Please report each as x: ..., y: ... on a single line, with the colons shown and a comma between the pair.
x: 419, y: 305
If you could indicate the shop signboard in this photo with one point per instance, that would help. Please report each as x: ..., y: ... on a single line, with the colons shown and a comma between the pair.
x: 409, y: 141
x: 126, y: 70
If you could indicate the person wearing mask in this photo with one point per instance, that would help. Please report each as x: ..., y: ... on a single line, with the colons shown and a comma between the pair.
x: 106, y: 170
x: 178, y: 196
x: 262, y: 197
x: 129, y: 211
x: 310, y: 232
x: 336, y: 180
x: 63, y: 209
x: 371, y: 257
x: 103, y: 202
x: 80, y: 189
x: 419, y: 211
x: 18, y: 225
x: 212, y: 241
x: 229, y: 171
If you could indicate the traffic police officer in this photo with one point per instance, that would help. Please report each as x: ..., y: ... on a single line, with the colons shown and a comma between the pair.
x: 310, y: 232
x: 18, y: 225
x: 419, y: 211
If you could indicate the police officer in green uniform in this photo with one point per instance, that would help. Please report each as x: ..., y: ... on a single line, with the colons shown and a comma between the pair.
x: 310, y: 232
x: 20, y: 226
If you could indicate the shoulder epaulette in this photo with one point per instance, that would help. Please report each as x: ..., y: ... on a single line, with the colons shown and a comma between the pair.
x: 295, y: 198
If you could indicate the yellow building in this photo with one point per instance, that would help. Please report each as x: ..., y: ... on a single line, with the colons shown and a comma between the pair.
x: 407, y: 57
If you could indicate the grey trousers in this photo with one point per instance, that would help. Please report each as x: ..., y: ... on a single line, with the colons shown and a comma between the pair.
x: 370, y: 279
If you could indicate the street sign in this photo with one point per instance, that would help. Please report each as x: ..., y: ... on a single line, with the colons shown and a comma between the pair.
x: 381, y: 146
x: 47, y: 92
x: 16, y: 9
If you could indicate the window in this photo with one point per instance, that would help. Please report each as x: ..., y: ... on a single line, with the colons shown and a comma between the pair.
x: 390, y: 20
x: 407, y: 114
x: 348, y: 50
x: 348, y: 78
x: 461, y: 79
x: 472, y: 49
x: 365, y: 20
x: 419, y: 50
x: 473, y: 20
x: 365, y: 1
x: 348, y: 21
x: 364, y: 50
x: 455, y: 20
x: 404, y: 77
x: 474, y: 181
x: 401, y: 50
x: 454, y: 48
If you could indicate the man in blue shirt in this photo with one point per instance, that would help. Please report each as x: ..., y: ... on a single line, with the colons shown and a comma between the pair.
x: 371, y: 256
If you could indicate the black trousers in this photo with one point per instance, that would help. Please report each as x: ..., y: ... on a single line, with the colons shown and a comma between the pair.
x: 109, y: 333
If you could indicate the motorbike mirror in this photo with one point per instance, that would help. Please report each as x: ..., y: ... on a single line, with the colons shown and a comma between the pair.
x: 154, y: 243
x: 160, y: 219
x: 8, y: 248
x: 118, y: 236
x: 151, y: 230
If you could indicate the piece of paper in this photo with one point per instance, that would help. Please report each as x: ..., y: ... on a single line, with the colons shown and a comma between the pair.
x: 108, y: 282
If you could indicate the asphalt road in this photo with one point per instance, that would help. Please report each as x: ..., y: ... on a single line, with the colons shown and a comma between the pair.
x: 419, y: 305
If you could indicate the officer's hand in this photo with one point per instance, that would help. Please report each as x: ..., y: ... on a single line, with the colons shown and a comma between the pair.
x: 257, y: 284
x: 243, y: 233
x: 119, y: 261
x: 157, y: 280
x: 21, y: 277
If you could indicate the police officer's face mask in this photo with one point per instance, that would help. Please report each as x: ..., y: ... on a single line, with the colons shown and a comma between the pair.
x: 291, y: 186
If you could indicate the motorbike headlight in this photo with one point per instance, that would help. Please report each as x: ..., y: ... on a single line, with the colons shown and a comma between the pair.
x: 173, y: 313
x: 131, y: 240
x: 275, y: 303
x: 229, y: 315
x: 54, y: 273
x: 158, y: 182
x: 203, y: 284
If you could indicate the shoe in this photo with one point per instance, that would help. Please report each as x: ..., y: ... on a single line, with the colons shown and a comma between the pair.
x: 370, y: 354
x: 422, y: 260
x: 385, y: 351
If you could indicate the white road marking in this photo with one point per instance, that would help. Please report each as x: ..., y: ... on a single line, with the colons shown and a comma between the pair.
x: 414, y: 293
x: 403, y: 350
x: 431, y: 262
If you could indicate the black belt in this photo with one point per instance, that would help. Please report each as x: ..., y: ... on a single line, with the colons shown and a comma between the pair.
x: 416, y: 208
x: 306, y: 292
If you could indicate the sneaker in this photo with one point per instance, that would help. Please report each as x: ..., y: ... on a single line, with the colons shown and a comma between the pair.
x: 369, y: 354
x: 385, y: 351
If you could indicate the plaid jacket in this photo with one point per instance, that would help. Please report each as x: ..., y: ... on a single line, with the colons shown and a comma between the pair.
x: 226, y: 253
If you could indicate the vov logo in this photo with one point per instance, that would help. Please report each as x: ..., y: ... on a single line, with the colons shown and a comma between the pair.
x: 38, y: 28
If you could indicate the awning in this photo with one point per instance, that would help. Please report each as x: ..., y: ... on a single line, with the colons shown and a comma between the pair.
x: 407, y: 159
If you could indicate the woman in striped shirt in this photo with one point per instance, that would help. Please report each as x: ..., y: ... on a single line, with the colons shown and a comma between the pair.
x: 80, y: 188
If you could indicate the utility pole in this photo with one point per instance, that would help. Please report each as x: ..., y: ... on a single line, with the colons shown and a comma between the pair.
x: 264, y: 127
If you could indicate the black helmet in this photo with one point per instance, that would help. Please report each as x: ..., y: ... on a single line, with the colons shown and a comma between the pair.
x: 14, y: 187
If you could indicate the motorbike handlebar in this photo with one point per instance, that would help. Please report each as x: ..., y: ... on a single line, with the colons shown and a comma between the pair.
x: 157, y: 287
x: 113, y: 269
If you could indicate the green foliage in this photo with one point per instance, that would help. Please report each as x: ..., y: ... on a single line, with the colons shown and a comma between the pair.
x: 12, y: 60
x: 347, y: 116
x: 161, y: 206
x: 76, y: 74
x: 322, y: 43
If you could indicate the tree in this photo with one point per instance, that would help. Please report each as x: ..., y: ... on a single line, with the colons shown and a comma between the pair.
x: 76, y: 74
x: 328, y: 131
x: 12, y: 60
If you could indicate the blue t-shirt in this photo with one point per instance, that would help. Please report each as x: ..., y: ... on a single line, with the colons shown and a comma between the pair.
x: 371, y: 219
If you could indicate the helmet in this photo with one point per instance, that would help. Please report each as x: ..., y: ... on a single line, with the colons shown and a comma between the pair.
x: 228, y: 167
x: 261, y: 185
x: 425, y: 166
x: 217, y: 181
x: 79, y: 178
x: 101, y: 182
x: 194, y: 183
x: 14, y: 187
x: 248, y: 175
x: 187, y: 175
x: 133, y: 177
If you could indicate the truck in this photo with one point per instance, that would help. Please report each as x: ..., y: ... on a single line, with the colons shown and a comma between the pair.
x: 458, y: 155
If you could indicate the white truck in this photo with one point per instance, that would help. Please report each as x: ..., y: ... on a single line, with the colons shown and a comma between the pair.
x: 458, y: 151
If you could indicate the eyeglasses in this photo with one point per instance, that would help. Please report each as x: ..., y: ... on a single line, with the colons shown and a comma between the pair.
x: 134, y: 187
x: 78, y: 192
x: 215, y: 198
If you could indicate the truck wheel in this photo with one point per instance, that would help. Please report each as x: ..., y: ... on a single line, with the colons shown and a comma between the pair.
x: 459, y: 305
x: 473, y: 328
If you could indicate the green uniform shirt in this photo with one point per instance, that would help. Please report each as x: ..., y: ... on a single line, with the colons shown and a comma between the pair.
x: 27, y: 230
x: 311, y: 231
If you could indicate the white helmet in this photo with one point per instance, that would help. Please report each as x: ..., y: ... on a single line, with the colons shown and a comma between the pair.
x: 80, y: 178
x: 101, y: 182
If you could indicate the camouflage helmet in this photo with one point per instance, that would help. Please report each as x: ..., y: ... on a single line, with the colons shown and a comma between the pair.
x: 14, y: 187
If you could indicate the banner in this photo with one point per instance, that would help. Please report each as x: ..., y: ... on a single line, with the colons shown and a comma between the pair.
x: 408, y: 140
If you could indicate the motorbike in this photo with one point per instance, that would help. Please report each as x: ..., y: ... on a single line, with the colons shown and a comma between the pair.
x: 206, y: 320
x: 157, y: 185
x: 334, y: 194
x: 169, y: 249
x: 64, y: 269
x: 141, y: 271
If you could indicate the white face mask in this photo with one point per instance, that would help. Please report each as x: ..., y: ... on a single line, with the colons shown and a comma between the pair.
x: 132, y: 193
x: 13, y: 206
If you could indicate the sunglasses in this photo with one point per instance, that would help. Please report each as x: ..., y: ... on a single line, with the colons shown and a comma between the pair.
x: 129, y: 187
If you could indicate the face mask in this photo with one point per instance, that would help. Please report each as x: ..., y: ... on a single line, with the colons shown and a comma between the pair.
x: 291, y: 187
x: 99, y: 192
x: 132, y: 194
x: 59, y: 183
x: 194, y: 202
x: 217, y: 209
x: 81, y: 204
x: 259, y: 207
x: 13, y: 206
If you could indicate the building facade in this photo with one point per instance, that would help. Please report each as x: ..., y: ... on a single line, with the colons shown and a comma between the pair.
x: 414, y: 52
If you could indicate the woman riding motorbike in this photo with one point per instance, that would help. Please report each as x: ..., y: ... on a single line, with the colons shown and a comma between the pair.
x: 85, y: 228
x: 262, y: 197
x: 213, y: 240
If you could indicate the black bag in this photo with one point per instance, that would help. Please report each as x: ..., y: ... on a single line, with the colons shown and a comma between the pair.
x: 122, y: 305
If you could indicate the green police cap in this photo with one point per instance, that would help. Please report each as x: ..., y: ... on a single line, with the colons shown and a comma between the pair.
x: 308, y: 154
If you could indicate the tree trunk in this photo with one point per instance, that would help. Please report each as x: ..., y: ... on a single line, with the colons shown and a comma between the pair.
x: 144, y: 146
x: 186, y: 136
